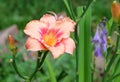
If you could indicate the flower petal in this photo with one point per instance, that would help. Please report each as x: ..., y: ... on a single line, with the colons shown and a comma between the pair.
x: 33, y: 29
x: 69, y: 45
x: 34, y: 45
x: 49, y: 19
x: 65, y: 25
x: 97, y: 37
x: 98, y: 50
x: 57, y: 50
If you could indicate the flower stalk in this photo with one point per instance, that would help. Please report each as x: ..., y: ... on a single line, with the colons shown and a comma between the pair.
x: 39, y: 63
x: 113, y: 57
x: 40, y: 59
x: 16, y: 68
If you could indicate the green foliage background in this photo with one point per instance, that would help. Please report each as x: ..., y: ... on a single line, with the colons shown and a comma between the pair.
x: 21, y: 11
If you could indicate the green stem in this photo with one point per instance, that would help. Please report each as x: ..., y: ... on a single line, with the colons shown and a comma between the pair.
x: 86, y: 8
x: 61, y: 75
x: 43, y: 58
x: 16, y: 69
x: 115, y: 76
x: 39, y: 63
x: 38, y: 66
x: 51, y: 71
x: 93, y: 70
x: 113, y: 57
x: 36, y: 69
x: 77, y: 62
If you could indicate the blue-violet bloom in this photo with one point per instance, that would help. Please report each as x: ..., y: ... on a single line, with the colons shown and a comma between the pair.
x: 100, y: 40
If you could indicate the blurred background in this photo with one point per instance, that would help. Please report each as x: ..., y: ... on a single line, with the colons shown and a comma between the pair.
x: 15, y: 14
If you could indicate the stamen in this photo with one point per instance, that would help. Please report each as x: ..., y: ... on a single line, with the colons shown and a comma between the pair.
x: 50, y: 38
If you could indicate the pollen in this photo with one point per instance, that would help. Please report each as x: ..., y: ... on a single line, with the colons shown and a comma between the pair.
x: 50, y: 38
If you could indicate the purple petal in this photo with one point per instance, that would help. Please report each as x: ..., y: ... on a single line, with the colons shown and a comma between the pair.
x: 97, y: 37
x: 98, y: 51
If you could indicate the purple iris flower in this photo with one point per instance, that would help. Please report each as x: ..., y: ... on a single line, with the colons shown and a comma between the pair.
x: 100, y: 40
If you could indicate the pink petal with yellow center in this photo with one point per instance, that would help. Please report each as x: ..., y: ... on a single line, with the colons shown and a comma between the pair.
x: 69, y: 45
x: 57, y: 50
x: 65, y: 25
x: 33, y: 29
x: 50, y: 37
x: 34, y: 45
x: 50, y: 33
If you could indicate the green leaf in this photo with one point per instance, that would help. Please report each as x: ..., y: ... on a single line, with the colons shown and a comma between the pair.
x: 51, y: 72
x: 116, y: 67
x: 80, y: 48
x: 69, y: 8
x: 114, y: 77
x: 83, y: 47
x: 87, y: 45
x: 116, y: 73
x: 109, y: 25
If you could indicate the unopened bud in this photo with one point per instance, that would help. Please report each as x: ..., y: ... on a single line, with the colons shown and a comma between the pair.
x: 11, y: 60
x: 109, y: 40
x: 11, y: 43
x: 115, y: 10
x: 116, y: 33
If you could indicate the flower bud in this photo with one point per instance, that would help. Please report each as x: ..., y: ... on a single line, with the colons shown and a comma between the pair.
x: 11, y: 60
x: 11, y: 43
x: 115, y: 10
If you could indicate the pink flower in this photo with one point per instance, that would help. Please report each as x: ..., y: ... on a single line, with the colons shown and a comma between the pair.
x: 50, y: 33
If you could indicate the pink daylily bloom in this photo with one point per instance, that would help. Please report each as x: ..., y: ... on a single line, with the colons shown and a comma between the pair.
x: 50, y: 33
